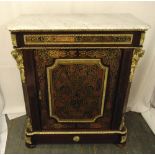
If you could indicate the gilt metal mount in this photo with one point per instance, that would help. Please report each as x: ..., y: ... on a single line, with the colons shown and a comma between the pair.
x: 17, y: 54
x: 137, y: 54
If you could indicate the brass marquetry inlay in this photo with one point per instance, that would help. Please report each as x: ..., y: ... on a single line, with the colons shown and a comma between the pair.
x: 17, y: 54
x: 137, y: 54
x: 41, y: 39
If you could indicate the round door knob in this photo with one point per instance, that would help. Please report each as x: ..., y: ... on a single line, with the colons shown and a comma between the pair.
x: 76, y: 138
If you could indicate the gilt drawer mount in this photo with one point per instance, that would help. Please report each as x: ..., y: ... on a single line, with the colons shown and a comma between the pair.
x: 76, y: 73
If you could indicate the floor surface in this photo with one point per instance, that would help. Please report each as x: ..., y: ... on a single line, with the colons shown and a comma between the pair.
x: 140, y: 140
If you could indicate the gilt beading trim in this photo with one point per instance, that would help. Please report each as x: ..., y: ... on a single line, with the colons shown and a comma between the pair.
x: 123, y: 132
x: 76, y: 61
x: 17, y: 54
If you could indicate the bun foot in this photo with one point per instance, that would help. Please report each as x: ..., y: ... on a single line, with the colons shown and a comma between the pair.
x: 30, y: 145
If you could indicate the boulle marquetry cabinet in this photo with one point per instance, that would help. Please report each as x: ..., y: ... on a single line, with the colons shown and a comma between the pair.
x: 76, y: 72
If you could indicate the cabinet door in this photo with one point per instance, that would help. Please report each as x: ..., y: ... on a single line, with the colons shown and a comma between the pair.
x: 77, y: 87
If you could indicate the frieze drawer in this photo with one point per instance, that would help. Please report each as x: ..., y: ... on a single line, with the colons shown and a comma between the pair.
x: 68, y: 39
x: 78, y: 39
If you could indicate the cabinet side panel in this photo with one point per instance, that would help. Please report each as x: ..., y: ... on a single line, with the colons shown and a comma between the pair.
x: 26, y: 99
x: 31, y: 88
x: 122, y: 87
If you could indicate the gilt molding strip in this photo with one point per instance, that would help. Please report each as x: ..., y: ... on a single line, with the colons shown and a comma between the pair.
x: 85, y: 47
x: 76, y: 132
x: 76, y: 61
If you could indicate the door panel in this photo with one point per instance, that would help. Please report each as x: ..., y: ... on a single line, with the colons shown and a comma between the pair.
x: 77, y: 87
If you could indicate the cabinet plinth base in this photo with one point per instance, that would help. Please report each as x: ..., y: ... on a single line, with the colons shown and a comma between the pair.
x: 43, y: 137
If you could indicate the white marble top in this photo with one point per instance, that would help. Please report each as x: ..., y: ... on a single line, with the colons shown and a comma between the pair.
x: 77, y: 22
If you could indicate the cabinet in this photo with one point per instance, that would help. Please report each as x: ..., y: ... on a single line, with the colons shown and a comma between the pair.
x: 76, y: 73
